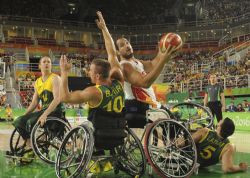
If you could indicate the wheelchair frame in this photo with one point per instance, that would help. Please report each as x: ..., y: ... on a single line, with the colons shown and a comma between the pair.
x: 80, y: 158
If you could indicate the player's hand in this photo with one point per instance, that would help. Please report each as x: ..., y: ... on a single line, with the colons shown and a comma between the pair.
x: 42, y: 119
x: 100, y: 21
x: 167, y: 54
x: 243, y: 166
x: 65, y: 66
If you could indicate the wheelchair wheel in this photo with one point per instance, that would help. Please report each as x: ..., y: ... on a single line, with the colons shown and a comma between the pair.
x: 75, y: 153
x: 195, y: 115
x: 130, y: 156
x: 175, y: 153
x: 46, y: 140
x: 16, y: 141
x: 17, y: 148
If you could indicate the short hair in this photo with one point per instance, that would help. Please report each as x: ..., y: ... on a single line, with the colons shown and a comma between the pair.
x: 103, y: 67
x: 227, y: 128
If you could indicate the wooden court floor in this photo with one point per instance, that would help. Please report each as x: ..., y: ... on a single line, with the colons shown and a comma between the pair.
x: 39, y: 169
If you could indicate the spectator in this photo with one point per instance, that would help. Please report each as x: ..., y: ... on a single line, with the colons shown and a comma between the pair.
x: 232, y: 107
x: 240, y: 108
x: 246, y: 104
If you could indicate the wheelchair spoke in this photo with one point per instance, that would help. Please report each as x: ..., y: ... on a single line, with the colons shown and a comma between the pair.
x: 18, y: 139
x: 176, y: 156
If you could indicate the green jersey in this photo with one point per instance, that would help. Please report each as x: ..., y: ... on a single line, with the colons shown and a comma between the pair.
x: 112, y: 97
x: 210, y: 148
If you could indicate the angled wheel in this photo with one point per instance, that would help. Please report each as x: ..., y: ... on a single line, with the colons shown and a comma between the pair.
x: 16, y: 141
x: 174, y: 155
x: 195, y: 115
x: 75, y: 153
x: 46, y: 140
x: 130, y: 156
x: 17, y: 148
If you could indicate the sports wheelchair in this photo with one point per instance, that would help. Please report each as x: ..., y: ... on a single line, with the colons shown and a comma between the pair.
x: 107, y: 132
x: 45, y: 141
x: 168, y: 143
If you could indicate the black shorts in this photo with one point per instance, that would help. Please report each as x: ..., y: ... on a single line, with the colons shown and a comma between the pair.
x: 136, y: 113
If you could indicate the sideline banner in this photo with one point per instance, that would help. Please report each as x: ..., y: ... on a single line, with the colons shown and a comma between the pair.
x: 241, y: 120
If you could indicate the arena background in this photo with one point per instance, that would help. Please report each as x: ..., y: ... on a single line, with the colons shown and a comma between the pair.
x: 216, y: 39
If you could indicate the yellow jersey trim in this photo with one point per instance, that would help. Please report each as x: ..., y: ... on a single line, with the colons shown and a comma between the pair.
x: 41, y: 85
x: 204, y: 137
x: 97, y: 87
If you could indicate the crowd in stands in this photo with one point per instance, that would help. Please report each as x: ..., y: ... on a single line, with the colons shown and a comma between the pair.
x: 225, y: 9
x: 193, y: 66
x: 240, y: 107
x: 26, y: 81
x: 26, y: 87
x: 3, y: 98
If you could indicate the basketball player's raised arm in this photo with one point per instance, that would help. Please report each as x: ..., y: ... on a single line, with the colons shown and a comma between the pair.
x: 227, y: 161
x: 145, y: 80
x: 90, y: 94
x: 109, y: 43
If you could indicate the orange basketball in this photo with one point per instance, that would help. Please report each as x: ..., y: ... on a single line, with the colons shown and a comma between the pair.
x: 170, y: 40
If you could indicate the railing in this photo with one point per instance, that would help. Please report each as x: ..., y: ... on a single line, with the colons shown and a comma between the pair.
x: 227, y: 82
x: 2, y: 84
x: 25, y: 85
x: 221, y: 22
x: 32, y: 67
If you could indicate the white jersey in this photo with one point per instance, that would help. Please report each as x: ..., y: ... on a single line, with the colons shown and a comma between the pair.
x: 145, y: 95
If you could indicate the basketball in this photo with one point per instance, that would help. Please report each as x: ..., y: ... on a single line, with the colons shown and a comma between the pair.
x: 170, y: 40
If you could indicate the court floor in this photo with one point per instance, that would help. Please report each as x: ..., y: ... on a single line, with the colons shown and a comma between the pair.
x: 39, y: 169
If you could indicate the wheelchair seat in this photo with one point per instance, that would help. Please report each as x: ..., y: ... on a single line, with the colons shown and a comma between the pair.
x: 136, y: 120
x: 109, y: 129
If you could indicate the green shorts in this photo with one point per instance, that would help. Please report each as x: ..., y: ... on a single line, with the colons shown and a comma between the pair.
x: 24, y: 124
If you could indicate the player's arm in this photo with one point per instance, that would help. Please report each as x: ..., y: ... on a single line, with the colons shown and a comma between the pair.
x: 56, y: 97
x: 33, y: 104
x: 115, y: 72
x: 227, y: 161
x: 109, y: 43
x: 90, y: 94
x: 199, y: 134
x: 141, y: 80
x: 150, y: 64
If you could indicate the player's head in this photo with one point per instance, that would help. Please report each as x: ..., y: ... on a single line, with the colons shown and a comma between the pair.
x: 45, y: 64
x: 124, y: 48
x: 212, y: 78
x: 99, y: 70
x: 225, y: 127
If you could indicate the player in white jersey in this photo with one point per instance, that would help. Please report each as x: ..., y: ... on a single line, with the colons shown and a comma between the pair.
x: 139, y: 75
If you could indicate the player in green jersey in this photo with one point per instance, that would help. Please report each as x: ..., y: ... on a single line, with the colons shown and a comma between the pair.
x: 214, y: 146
